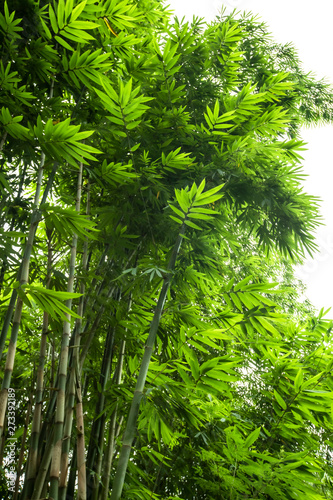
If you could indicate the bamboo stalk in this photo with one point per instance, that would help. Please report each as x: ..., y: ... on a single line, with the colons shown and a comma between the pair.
x: 35, y: 219
x: 70, y: 401
x: 24, y: 276
x: 93, y: 329
x: 97, y: 432
x: 81, y: 460
x: 54, y: 380
x: 11, y: 228
x: 98, y: 460
x: 34, y: 452
x: 7, y: 320
x: 43, y: 469
x: 72, y: 474
x: 74, y: 377
x: 129, y: 434
x: 22, y: 449
x: 61, y: 387
x: 112, y: 431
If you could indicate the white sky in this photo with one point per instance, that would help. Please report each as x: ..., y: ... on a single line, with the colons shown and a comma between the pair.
x: 308, y: 26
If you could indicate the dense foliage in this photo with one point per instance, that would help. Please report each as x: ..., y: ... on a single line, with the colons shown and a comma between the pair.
x: 151, y: 209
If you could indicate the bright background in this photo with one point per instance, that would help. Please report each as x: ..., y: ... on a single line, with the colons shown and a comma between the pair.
x: 309, y: 27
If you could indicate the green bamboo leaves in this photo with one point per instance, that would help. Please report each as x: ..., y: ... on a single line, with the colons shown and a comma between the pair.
x: 63, y: 18
x: 47, y: 300
x: 176, y: 315
x: 217, y: 122
x: 86, y: 67
x: 250, y: 111
x: 191, y: 202
x: 169, y: 57
x: 63, y: 141
x: 9, y: 24
x: 67, y: 222
x: 126, y: 107
x: 123, y: 14
x: 12, y: 125
x: 225, y: 40
x: 175, y: 160
x: 9, y: 81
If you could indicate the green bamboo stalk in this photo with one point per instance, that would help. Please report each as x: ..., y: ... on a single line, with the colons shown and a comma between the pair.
x: 97, y: 431
x: 98, y: 459
x: 62, y: 374
x: 112, y: 431
x: 7, y: 320
x: 74, y: 378
x: 80, y: 442
x: 11, y: 228
x: 72, y: 474
x: 67, y: 432
x: 92, y: 331
x: 34, y: 453
x: 19, y: 303
x: 97, y: 273
x: 43, y: 468
x: 129, y: 434
x: 22, y: 450
x: 35, y: 219
x: 53, y: 395
x: 81, y: 459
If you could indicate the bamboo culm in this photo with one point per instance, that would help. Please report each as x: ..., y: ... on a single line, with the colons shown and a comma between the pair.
x: 129, y: 434
x: 19, y: 303
x: 63, y: 361
x: 112, y: 430
x: 74, y: 376
x: 32, y: 463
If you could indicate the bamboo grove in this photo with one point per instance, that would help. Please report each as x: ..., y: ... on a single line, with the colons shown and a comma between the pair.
x: 152, y: 342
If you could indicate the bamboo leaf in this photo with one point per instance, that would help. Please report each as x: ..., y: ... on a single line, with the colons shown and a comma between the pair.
x: 61, y: 14
x: 280, y: 400
x: 252, y: 438
x: 298, y: 380
x: 191, y: 224
x: 53, y: 19
x: 78, y: 9
x: 177, y: 211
